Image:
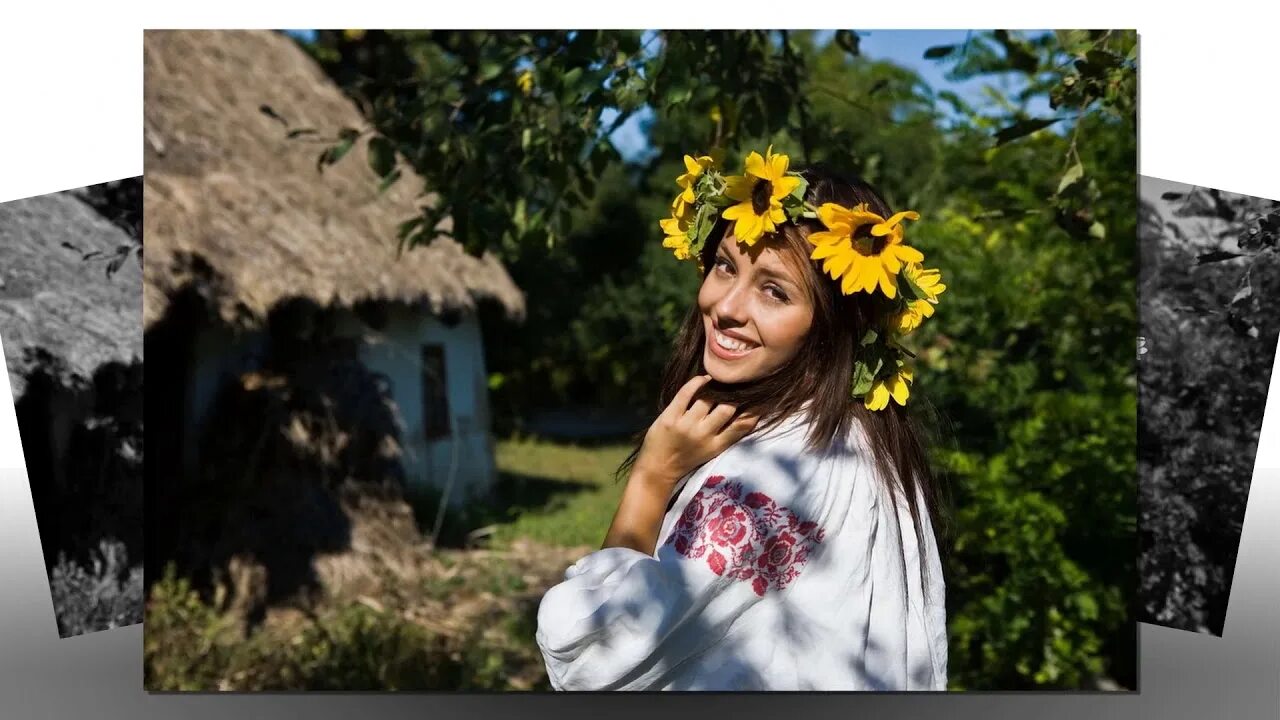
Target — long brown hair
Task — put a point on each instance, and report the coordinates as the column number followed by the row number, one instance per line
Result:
column 822, row 370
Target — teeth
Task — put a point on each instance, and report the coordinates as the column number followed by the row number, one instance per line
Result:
column 730, row 344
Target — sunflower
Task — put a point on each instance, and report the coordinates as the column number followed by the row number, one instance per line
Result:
column 694, row 167
column 928, row 282
column 864, row 262
column 759, row 194
column 894, row 386
column 677, row 229
column 910, row 317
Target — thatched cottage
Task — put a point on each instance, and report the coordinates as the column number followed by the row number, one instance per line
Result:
column 264, row 276
column 72, row 338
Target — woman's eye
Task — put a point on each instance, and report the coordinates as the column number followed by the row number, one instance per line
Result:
column 776, row 293
column 723, row 265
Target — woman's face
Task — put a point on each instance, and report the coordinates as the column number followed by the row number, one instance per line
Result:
column 755, row 312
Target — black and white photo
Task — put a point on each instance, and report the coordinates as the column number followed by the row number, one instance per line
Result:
column 70, row 321
column 1207, row 344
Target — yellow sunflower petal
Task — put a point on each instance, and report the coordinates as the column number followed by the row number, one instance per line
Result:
column 755, row 165
column 860, row 277
column 878, row 397
column 839, row 263
column 692, row 166
column 883, row 228
column 899, row 389
column 860, row 216
column 739, row 187
column 737, row 211
column 888, row 283
column 777, row 169
column 826, row 237
column 784, row 186
column 748, row 228
column 907, row 320
column 905, row 253
column 833, row 215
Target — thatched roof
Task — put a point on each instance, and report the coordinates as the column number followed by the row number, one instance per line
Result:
column 54, row 300
column 223, row 184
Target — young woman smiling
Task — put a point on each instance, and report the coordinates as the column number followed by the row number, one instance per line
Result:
column 775, row 532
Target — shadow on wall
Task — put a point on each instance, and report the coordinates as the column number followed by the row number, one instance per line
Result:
column 83, row 446
column 288, row 457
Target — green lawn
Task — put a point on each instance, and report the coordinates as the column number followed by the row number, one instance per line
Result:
column 550, row 492
column 554, row 493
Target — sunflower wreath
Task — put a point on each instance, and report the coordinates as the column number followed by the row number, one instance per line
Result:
column 768, row 195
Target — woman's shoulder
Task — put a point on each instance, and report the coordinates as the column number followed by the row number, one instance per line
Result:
column 783, row 460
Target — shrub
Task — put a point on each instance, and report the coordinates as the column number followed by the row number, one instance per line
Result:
column 106, row 595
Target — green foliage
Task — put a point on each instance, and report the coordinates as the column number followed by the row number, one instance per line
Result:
column 1029, row 215
column 189, row 645
column 185, row 641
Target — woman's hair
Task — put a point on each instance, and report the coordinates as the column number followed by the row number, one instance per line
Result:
column 822, row 369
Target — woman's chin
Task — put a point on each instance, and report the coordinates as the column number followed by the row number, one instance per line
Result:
column 726, row 371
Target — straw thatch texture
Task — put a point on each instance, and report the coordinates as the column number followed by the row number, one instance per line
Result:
column 54, row 300
column 237, row 209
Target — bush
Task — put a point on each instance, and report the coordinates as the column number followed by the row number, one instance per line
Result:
column 104, row 596
column 190, row 645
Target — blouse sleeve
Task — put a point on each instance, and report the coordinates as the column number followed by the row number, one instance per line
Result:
column 786, row 569
column 623, row 619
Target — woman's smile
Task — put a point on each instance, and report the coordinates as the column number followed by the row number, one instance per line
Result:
column 730, row 348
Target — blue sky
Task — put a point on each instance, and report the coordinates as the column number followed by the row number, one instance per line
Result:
column 903, row 47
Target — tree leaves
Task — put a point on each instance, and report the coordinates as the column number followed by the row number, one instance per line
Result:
column 1070, row 177
column 382, row 156
column 330, row 155
column 1022, row 128
column 938, row 52
column 849, row 41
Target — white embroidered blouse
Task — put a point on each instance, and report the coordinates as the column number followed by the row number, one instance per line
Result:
column 776, row 569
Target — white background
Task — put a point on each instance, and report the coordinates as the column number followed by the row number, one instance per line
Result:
column 71, row 115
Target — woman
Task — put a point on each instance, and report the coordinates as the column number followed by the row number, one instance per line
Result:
column 775, row 530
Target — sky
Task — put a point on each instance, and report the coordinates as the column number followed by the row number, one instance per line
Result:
column 902, row 47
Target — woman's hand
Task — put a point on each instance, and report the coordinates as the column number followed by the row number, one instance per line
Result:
column 683, row 437
column 687, row 434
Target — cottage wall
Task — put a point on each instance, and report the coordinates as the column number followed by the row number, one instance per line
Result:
column 395, row 351
column 218, row 356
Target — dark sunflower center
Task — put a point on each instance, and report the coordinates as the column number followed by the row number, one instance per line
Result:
column 760, row 195
column 866, row 243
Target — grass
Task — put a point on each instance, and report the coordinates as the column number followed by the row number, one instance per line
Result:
column 467, row 626
column 551, row 493
column 579, row 495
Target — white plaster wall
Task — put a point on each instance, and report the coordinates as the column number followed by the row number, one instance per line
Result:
column 396, row 352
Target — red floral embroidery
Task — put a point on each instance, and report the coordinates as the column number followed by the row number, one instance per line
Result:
column 746, row 537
